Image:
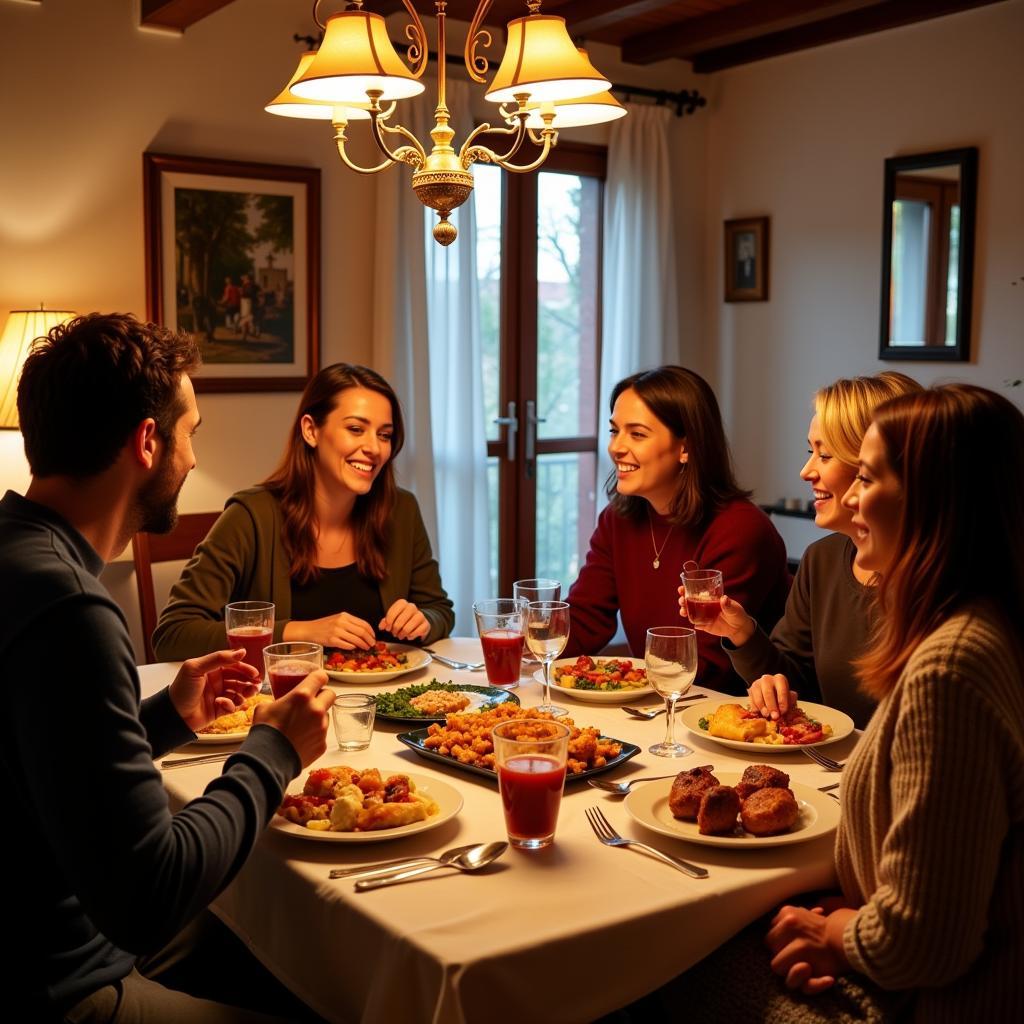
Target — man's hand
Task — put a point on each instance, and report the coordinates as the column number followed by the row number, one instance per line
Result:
column 808, row 947
column 301, row 714
column 214, row 685
column 404, row 621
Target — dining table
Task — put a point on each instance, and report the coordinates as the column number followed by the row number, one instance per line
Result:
column 554, row 936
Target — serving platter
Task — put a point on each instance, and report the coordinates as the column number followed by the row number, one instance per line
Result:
column 595, row 696
column 842, row 726
column 447, row 797
column 647, row 805
column 481, row 698
column 415, row 660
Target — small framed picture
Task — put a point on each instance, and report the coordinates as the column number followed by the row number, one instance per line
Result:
column 233, row 257
column 746, row 260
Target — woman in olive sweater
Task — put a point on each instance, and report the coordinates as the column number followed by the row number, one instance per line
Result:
column 329, row 538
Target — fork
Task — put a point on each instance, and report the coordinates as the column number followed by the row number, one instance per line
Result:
column 180, row 762
column 451, row 663
column 606, row 834
column 826, row 762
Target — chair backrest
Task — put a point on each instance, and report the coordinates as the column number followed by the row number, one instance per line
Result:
column 175, row 546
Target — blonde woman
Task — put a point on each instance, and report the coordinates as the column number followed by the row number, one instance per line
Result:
column 826, row 622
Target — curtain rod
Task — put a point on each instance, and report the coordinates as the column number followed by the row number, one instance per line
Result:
column 685, row 101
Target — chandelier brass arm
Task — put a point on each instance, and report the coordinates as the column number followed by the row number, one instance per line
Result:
column 476, row 63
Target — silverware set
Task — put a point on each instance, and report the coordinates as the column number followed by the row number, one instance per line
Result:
column 392, row 872
column 826, row 762
column 647, row 715
column 183, row 762
column 606, row 834
column 468, row 666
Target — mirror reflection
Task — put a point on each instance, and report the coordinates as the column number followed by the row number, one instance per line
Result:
column 929, row 219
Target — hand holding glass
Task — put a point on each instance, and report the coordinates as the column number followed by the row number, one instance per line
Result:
column 289, row 663
column 671, row 660
column 704, row 591
column 250, row 624
column 547, row 633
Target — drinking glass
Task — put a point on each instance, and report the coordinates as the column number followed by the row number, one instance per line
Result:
column 536, row 590
column 500, row 621
column 547, row 633
column 250, row 624
column 531, row 776
column 704, row 590
column 671, row 660
column 353, row 715
column 289, row 663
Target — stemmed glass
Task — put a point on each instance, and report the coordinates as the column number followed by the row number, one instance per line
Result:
column 547, row 632
column 536, row 590
column 671, row 660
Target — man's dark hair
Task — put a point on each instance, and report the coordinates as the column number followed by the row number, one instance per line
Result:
column 89, row 383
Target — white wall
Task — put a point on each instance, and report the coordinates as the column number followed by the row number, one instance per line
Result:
column 802, row 138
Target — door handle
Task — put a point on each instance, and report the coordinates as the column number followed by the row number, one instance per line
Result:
column 511, row 424
column 532, row 419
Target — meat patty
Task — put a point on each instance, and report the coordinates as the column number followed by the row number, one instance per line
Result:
column 760, row 776
column 718, row 809
column 769, row 811
column 687, row 789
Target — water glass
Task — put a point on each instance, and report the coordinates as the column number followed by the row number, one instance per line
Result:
column 250, row 624
column 289, row 663
column 531, row 761
column 704, row 589
column 547, row 633
column 670, row 657
column 536, row 590
column 500, row 623
column 353, row 715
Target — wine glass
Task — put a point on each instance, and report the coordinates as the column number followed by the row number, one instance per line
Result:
column 536, row 590
column 547, row 632
column 671, row 660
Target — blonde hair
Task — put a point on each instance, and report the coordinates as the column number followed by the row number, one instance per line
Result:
column 845, row 408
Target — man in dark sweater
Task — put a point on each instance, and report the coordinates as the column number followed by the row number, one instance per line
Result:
column 99, row 872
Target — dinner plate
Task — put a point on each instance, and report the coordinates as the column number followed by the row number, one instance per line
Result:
column 414, row 741
column 480, row 698
column 597, row 696
column 448, row 798
column 648, row 805
column 842, row 726
column 221, row 737
column 417, row 659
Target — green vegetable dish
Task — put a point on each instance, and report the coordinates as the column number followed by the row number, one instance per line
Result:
column 396, row 704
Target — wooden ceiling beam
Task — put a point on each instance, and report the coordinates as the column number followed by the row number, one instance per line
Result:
column 891, row 14
column 732, row 25
column 582, row 17
column 177, row 14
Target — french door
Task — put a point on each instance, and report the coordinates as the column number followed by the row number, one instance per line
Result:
column 539, row 246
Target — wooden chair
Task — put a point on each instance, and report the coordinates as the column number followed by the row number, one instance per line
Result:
column 175, row 546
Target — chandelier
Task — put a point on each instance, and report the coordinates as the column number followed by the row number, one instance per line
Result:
column 542, row 84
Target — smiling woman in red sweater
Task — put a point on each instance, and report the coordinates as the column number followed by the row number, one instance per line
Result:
column 672, row 498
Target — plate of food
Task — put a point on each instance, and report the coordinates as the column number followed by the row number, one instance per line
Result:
column 599, row 680
column 432, row 702
column 338, row 804
column 759, row 808
column 378, row 664
column 464, row 742
column 235, row 726
column 735, row 725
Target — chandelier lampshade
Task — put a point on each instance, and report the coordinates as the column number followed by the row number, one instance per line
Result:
column 541, row 60
column 22, row 328
column 287, row 104
column 597, row 109
column 356, row 55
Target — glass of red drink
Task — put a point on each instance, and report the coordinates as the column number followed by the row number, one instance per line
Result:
column 704, row 590
column 250, row 624
column 289, row 663
column 530, row 756
column 500, row 621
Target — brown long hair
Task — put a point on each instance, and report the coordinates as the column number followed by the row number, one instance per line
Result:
column 685, row 403
column 958, row 454
column 293, row 483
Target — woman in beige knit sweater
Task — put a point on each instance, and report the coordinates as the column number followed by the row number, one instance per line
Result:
column 930, row 852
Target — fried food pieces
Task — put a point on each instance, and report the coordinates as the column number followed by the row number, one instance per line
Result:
column 239, row 720
column 688, row 788
column 342, row 799
column 732, row 722
column 718, row 809
column 760, row 776
column 769, row 811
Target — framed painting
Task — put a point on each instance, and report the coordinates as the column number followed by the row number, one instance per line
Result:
column 233, row 257
column 746, row 260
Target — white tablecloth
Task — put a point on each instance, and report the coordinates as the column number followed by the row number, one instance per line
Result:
column 562, row 935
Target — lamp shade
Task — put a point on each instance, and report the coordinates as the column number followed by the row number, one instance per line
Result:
column 356, row 55
column 22, row 328
column 287, row 104
column 596, row 109
column 540, row 59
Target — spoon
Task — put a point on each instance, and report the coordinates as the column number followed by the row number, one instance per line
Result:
column 473, row 859
column 622, row 788
column 388, row 867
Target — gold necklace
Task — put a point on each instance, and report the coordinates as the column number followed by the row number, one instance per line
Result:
column 657, row 551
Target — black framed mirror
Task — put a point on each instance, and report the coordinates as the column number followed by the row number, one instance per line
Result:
column 928, row 255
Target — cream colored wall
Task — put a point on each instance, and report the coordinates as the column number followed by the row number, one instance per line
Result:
column 802, row 138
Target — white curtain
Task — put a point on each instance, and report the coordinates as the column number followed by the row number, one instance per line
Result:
column 457, row 400
column 640, row 321
column 427, row 343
